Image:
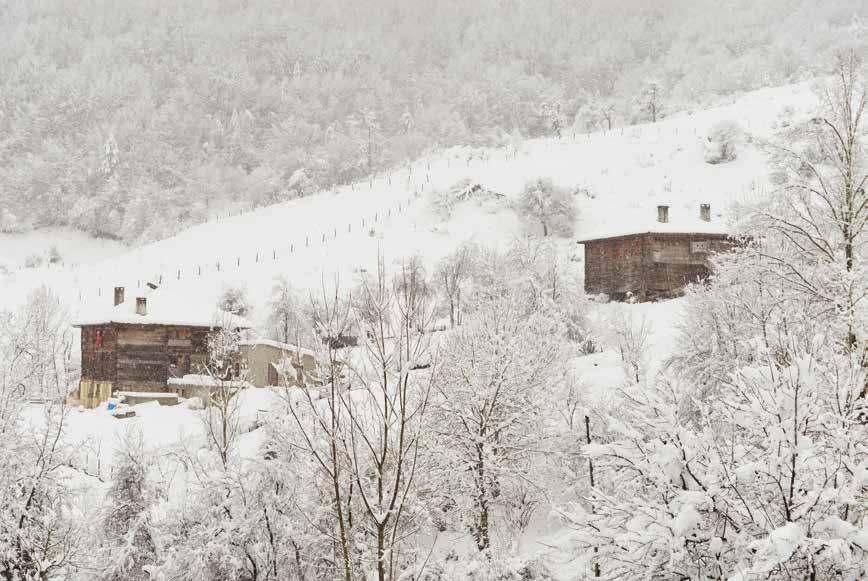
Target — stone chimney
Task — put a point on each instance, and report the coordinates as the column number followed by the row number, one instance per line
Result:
column 705, row 212
column 663, row 214
column 119, row 295
column 141, row 306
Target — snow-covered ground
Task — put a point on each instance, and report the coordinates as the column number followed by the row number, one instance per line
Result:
column 74, row 248
column 626, row 173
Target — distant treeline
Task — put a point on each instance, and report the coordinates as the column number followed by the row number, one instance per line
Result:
column 131, row 119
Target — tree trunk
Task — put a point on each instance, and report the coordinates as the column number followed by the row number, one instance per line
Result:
column 483, row 540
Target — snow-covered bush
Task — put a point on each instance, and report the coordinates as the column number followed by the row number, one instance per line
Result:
column 33, row 261
column 763, row 480
column 9, row 223
column 721, row 143
column 631, row 336
column 54, row 256
column 234, row 299
column 444, row 202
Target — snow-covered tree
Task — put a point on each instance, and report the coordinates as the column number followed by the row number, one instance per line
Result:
column 631, row 336
column 767, row 479
column 223, row 376
column 651, row 101
column 386, row 413
column 234, row 299
column 313, row 431
column 721, row 143
column 818, row 218
column 128, row 549
column 547, row 206
column 39, row 534
column 452, row 277
column 492, row 382
column 285, row 313
column 39, row 344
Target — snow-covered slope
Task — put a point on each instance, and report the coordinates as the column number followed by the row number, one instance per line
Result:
column 625, row 172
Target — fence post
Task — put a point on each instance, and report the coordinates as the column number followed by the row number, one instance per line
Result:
column 306, row 241
column 179, row 274
column 291, row 248
column 218, row 266
column 237, row 261
column 257, row 257
column 274, row 255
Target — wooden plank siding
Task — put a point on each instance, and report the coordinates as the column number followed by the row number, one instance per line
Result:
column 649, row 265
column 141, row 357
column 99, row 363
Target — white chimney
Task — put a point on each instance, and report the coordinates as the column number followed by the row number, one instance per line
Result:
column 141, row 306
column 663, row 214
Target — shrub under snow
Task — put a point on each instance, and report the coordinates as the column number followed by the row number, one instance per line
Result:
column 721, row 142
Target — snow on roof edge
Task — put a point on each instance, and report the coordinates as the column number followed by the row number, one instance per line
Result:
column 711, row 230
column 277, row 345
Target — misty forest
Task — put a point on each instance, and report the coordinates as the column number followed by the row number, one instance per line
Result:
column 482, row 290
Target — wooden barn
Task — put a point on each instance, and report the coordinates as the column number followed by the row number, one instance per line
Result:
column 656, row 260
column 138, row 344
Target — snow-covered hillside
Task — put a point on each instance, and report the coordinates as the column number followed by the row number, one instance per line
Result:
column 622, row 174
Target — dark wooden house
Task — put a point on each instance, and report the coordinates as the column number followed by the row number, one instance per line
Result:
column 657, row 261
column 139, row 344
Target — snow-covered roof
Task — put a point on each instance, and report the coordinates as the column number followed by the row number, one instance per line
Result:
column 204, row 381
column 162, row 308
column 678, row 226
column 277, row 345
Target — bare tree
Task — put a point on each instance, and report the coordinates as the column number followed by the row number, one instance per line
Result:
column 286, row 317
column 224, row 375
column 38, row 539
column 319, row 424
column 452, row 276
column 39, row 340
column 385, row 413
column 632, row 338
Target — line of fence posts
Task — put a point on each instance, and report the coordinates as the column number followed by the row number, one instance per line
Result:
column 218, row 264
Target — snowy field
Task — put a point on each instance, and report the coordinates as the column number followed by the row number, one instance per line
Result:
column 627, row 173
column 623, row 175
